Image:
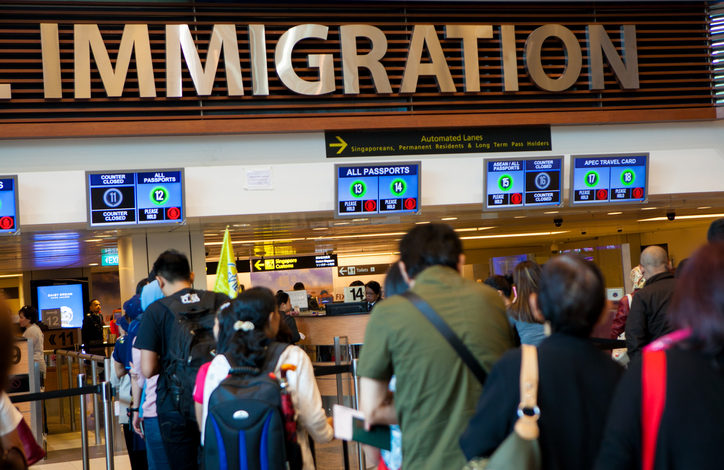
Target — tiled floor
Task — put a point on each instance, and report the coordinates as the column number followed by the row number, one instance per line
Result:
column 64, row 449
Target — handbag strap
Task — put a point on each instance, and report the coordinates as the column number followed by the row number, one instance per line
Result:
column 653, row 399
column 528, row 412
column 448, row 334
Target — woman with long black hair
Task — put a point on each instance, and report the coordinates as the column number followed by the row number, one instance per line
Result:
column 244, row 330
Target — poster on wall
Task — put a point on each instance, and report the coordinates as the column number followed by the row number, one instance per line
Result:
column 315, row 280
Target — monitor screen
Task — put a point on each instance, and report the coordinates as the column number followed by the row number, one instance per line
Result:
column 502, row 265
column 377, row 190
column 8, row 204
column 149, row 197
column 67, row 298
column 523, row 182
column 601, row 179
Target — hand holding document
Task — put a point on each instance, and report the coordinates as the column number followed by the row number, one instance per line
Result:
column 349, row 426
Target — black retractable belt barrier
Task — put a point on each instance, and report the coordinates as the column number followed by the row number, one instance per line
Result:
column 56, row 394
column 606, row 343
column 332, row 370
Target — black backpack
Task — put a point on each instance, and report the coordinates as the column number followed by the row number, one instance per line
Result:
column 244, row 426
column 190, row 346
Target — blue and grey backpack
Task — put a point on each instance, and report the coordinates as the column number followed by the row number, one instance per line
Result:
column 244, row 427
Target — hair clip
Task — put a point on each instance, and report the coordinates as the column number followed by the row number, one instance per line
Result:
column 243, row 325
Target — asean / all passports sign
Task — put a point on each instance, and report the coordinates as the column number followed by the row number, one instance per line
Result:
column 598, row 179
column 523, row 182
column 377, row 190
column 135, row 198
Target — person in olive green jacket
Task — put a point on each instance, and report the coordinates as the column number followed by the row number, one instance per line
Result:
column 436, row 393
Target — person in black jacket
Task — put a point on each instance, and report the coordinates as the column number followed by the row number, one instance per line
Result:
column 288, row 331
column 92, row 330
column 576, row 380
column 647, row 318
column 690, row 432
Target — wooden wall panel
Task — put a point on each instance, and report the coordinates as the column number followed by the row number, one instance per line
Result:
column 675, row 68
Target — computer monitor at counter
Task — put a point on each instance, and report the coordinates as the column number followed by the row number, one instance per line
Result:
column 345, row 308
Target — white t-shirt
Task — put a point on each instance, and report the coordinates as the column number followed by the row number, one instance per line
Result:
column 35, row 334
column 305, row 396
column 9, row 415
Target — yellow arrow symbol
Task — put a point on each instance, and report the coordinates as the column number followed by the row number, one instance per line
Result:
column 342, row 144
column 259, row 265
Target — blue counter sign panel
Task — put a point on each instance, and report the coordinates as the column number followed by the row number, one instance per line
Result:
column 136, row 198
column 369, row 190
column 600, row 179
column 8, row 204
column 523, row 183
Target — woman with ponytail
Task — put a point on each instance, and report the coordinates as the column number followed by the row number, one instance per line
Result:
column 244, row 330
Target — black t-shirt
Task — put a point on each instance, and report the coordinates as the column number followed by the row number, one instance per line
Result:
column 156, row 329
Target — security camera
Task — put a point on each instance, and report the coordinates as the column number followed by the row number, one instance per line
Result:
column 671, row 215
column 619, row 230
column 558, row 222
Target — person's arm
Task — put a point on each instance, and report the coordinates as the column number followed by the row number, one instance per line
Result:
column 9, row 419
column 120, row 369
column 636, row 326
column 149, row 363
column 495, row 414
column 373, row 397
column 292, row 324
column 305, row 395
column 135, row 415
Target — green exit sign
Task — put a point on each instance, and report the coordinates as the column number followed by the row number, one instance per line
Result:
column 109, row 256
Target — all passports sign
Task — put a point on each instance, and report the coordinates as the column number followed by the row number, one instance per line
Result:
column 437, row 141
column 135, row 197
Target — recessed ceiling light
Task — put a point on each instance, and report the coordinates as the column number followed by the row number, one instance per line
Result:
column 703, row 208
column 469, row 229
column 320, row 228
column 92, row 264
column 422, row 222
column 682, row 217
column 449, row 218
column 359, row 220
column 520, row 216
column 341, row 223
column 514, row 235
column 92, row 240
column 648, row 208
column 550, row 212
column 615, row 213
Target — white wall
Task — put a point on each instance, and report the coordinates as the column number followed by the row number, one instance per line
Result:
column 685, row 158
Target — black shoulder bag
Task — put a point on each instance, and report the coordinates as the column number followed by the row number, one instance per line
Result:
column 448, row 334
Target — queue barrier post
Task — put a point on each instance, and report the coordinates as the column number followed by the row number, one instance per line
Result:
column 59, row 380
column 83, row 426
column 71, row 402
column 96, row 403
column 361, row 464
column 107, row 421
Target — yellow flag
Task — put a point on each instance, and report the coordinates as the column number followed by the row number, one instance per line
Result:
column 226, row 280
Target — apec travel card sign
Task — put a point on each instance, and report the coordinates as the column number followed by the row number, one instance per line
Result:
column 149, row 197
column 601, row 179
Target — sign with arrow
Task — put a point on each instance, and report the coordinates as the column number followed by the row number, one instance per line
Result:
column 363, row 270
column 293, row 262
column 437, row 141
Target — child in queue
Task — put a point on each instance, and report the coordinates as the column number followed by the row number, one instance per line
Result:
column 244, row 329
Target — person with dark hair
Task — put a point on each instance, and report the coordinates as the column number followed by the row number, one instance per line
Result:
column 502, row 286
column 716, row 231
column 299, row 286
column 436, row 391
column 526, row 277
column 690, row 385
column 28, row 319
column 288, row 331
column 394, row 282
column 311, row 301
column 373, row 293
column 356, row 283
column 576, row 379
column 647, row 317
column 92, row 329
column 245, row 329
column 175, row 338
